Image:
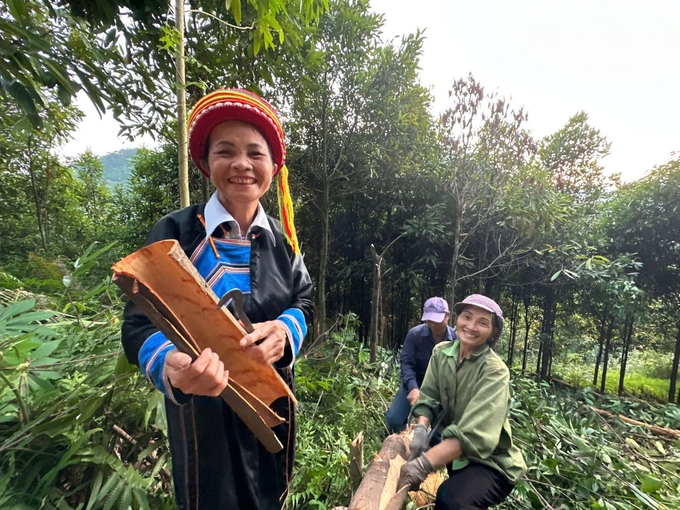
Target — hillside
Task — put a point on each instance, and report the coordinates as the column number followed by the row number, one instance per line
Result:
column 117, row 166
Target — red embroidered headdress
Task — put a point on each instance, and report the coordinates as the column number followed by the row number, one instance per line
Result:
column 237, row 104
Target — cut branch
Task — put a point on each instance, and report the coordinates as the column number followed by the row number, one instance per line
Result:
column 659, row 431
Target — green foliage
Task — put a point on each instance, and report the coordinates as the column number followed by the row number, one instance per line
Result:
column 578, row 460
column 63, row 387
column 340, row 394
column 46, row 48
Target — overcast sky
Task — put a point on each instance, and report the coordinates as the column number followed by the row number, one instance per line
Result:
column 617, row 60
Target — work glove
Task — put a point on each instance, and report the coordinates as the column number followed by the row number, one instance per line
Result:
column 420, row 442
column 414, row 472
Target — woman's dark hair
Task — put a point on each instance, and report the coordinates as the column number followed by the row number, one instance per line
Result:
column 493, row 339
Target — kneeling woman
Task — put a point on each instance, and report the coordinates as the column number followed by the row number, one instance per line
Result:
column 468, row 386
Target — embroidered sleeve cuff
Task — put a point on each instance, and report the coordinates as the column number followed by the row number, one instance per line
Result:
column 296, row 328
column 152, row 362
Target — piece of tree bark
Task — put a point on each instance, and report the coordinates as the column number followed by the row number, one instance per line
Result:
column 180, row 294
column 356, row 461
column 659, row 431
column 258, row 417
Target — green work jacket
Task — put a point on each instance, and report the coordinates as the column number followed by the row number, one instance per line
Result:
column 474, row 397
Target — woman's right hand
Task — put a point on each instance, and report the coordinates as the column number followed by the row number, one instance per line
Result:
column 205, row 376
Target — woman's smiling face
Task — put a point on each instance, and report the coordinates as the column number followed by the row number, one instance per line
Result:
column 474, row 326
column 240, row 164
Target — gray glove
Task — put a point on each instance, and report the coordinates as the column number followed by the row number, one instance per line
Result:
column 420, row 442
column 414, row 472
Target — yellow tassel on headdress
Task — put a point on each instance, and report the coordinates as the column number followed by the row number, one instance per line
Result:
column 286, row 210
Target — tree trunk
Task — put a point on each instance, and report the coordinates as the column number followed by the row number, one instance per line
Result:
column 627, row 336
column 659, row 431
column 605, row 361
column 514, row 315
column 39, row 217
column 182, row 143
column 325, row 227
column 454, row 263
column 527, row 324
column 379, row 484
column 549, row 312
column 674, row 371
column 603, row 335
column 482, row 261
column 375, row 307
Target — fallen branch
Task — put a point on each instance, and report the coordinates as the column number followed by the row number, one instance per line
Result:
column 659, row 431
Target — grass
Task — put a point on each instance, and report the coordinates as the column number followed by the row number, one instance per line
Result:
column 635, row 384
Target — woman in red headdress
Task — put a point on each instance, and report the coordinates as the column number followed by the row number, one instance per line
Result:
column 235, row 139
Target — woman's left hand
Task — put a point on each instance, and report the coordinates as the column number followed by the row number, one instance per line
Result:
column 267, row 343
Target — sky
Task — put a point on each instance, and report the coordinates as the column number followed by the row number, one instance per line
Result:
column 617, row 60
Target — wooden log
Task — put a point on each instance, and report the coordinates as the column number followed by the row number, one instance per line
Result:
column 391, row 489
column 180, row 294
column 659, row 431
column 377, row 489
column 257, row 417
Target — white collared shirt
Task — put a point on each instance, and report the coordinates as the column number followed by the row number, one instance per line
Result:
column 216, row 214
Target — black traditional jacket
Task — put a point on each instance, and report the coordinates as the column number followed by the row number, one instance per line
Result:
column 217, row 462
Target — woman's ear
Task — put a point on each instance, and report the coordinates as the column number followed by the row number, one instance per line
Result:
column 204, row 166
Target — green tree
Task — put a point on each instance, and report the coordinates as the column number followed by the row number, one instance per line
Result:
column 31, row 170
column 329, row 107
column 110, row 49
column 645, row 220
column 573, row 155
column 483, row 144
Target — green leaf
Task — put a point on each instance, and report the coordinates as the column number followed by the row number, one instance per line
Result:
column 16, row 308
column 18, row 10
column 25, row 101
column 236, row 10
column 650, row 484
column 94, row 493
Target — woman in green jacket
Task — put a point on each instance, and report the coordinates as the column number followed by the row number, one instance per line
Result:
column 467, row 385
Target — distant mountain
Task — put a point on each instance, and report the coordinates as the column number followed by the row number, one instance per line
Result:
column 117, row 167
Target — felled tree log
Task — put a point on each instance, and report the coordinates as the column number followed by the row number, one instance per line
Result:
column 659, row 431
column 379, row 488
column 379, row 485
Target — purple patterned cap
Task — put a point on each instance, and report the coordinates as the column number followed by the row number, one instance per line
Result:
column 435, row 309
column 485, row 303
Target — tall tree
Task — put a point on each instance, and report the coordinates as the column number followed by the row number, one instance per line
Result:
column 28, row 159
column 484, row 143
column 645, row 220
column 329, row 106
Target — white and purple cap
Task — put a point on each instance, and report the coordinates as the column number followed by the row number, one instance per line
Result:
column 484, row 303
column 435, row 309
